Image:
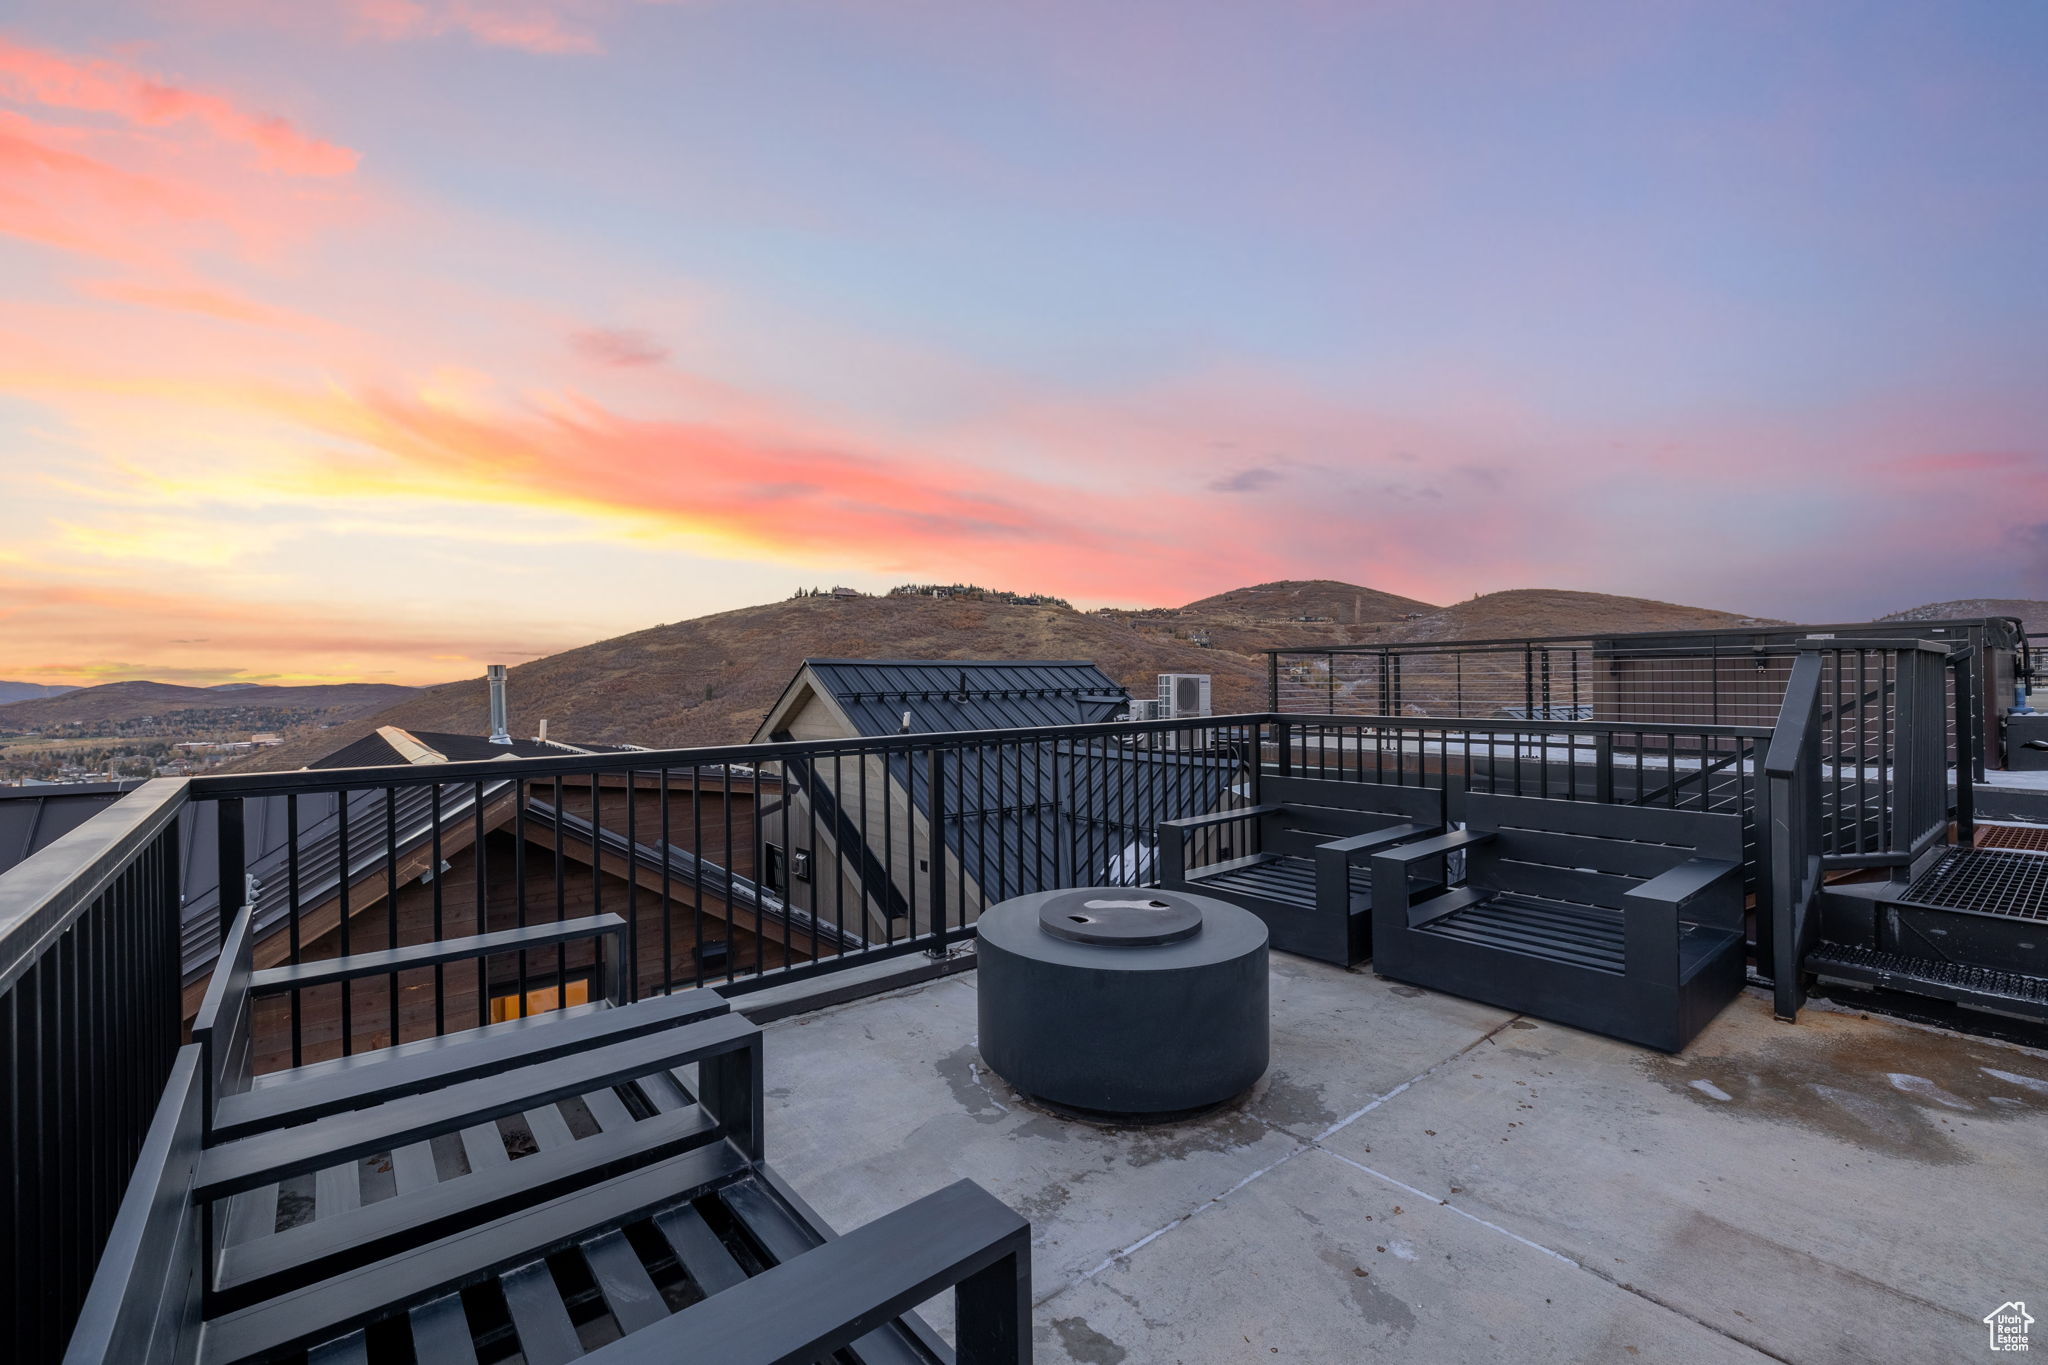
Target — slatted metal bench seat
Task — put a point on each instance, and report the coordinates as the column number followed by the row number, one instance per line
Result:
column 241, row 1104
column 1298, row 860
column 1623, row 920
column 690, row 1249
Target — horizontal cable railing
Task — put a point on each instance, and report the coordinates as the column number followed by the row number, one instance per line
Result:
column 1883, row 719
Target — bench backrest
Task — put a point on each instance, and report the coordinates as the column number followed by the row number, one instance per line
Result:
column 1585, row 851
column 1317, row 811
column 143, row 1306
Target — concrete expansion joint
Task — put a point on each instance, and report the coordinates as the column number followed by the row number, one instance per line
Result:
column 1316, row 1144
column 1656, row 1302
column 1313, row 1144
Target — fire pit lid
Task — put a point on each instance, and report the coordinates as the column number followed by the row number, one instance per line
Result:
column 1121, row 919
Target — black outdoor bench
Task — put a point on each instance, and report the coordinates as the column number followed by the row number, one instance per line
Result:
column 1297, row 860
column 1625, row 920
column 690, row 1249
column 240, row 1104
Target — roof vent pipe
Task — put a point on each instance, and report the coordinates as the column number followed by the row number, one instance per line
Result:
column 500, row 734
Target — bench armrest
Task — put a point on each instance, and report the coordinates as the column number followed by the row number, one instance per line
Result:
column 1677, row 886
column 1433, row 848
column 1220, row 817
column 1347, row 849
column 1173, row 839
column 1393, row 889
column 1650, row 929
column 808, row 1307
column 384, row 961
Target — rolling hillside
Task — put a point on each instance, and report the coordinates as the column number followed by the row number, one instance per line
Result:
column 1554, row 611
column 710, row 680
column 1342, row 603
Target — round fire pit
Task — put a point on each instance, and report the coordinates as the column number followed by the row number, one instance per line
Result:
column 1136, row 1005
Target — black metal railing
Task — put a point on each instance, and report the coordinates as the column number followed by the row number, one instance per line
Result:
column 1890, row 708
column 1793, row 811
column 1714, row 677
column 738, row 867
column 88, row 1030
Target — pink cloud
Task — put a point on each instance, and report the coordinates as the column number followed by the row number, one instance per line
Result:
column 93, row 85
column 624, row 347
column 541, row 27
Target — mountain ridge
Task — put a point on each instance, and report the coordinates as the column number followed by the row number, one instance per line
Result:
column 709, row 680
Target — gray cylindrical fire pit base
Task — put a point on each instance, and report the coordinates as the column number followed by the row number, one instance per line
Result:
column 1126, row 1004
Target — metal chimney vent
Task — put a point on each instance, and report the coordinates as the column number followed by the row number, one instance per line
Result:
column 500, row 730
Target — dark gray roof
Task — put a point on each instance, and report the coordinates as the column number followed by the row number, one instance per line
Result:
column 34, row 816
column 1009, row 810
column 967, row 694
column 374, row 751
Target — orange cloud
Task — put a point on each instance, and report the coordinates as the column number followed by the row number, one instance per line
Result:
column 69, row 628
column 783, row 493
column 93, row 85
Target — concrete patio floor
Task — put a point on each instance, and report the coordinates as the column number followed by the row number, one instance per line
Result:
column 1425, row 1179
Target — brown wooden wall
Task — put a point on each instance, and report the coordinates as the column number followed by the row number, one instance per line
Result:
column 715, row 822
column 682, row 917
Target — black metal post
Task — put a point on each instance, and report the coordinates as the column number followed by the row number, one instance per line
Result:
column 234, row 863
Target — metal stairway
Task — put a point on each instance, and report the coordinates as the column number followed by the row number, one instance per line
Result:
column 1971, row 928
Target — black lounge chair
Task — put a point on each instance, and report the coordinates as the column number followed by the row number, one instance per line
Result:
column 1298, row 859
column 1625, row 920
column 241, row 1104
column 643, row 1226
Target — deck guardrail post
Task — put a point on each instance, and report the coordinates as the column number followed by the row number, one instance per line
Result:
column 1969, row 745
column 935, row 781
column 1792, row 775
column 231, row 840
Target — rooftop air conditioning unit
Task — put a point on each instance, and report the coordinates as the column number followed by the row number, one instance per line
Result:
column 1145, row 708
column 1184, row 695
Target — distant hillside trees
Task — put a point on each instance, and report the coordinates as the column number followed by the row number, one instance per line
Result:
column 976, row 593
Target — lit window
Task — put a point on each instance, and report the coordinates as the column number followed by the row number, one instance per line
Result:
column 540, row 997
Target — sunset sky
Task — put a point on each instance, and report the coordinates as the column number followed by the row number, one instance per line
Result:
column 375, row 339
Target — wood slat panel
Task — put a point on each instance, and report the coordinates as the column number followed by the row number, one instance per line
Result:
column 784, row 1239
column 550, row 1129
column 1488, row 869
column 337, row 1189
column 252, row 1215
column 627, row 1288
column 703, row 1257
column 413, row 1167
column 440, row 1333
column 608, row 1109
column 484, row 1147
column 546, row 1336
